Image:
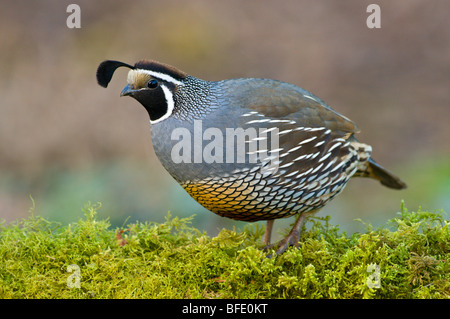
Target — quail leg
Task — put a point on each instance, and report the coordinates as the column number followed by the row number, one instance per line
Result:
column 291, row 239
column 268, row 233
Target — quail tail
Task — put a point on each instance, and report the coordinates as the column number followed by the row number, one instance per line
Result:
column 387, row 178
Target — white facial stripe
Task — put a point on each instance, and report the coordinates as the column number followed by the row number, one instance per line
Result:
column 161, row 76
column 170, row 105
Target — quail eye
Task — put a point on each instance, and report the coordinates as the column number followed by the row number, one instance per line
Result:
column 152, row 84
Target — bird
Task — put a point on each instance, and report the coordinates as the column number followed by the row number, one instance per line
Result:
column 250, row 149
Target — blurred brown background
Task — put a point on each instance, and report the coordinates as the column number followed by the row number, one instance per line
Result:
column 65, row 141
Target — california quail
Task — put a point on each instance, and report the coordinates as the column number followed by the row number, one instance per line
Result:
column 249, row 149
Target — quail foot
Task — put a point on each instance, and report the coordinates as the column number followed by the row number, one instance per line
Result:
column 249, row 149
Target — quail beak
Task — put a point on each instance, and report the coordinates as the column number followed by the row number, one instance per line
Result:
column 127, row 91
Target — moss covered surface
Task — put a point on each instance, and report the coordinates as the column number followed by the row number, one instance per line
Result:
column 409, row 258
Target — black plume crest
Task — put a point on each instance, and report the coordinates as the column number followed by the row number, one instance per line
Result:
column 106, row 70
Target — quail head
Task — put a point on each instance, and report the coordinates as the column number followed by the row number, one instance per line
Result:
column 249, row 149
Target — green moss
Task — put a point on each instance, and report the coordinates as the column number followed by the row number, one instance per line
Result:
column 409, row 258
